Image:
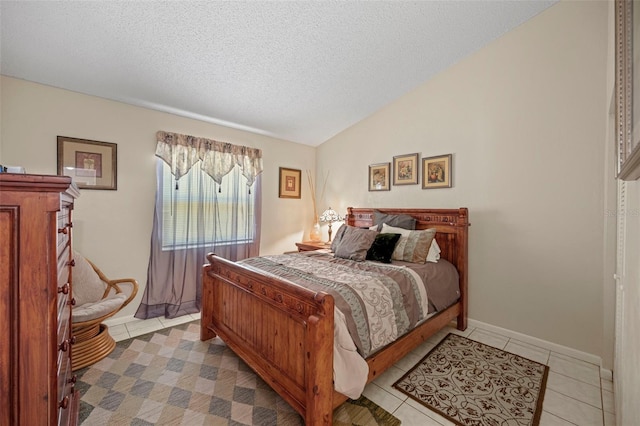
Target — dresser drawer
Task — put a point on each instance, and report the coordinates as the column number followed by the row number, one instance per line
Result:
column 66, row 390
column 64, row 229
column 63, row 274
column 64, row 332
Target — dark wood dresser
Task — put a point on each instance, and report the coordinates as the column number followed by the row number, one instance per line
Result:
column 37, row 386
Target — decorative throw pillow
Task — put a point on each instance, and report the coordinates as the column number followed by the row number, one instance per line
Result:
column 413, row 246
column 382, row 247
column 434, row 252
column 354, row 243
column 87, row 285
column 398, row 220
column 338, row 237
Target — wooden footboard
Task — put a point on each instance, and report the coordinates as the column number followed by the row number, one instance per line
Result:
column 285, row 332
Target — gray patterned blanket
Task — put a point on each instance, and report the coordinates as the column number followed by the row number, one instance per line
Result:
column 379, row 301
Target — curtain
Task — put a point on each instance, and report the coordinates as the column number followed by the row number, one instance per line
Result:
column 208, row 199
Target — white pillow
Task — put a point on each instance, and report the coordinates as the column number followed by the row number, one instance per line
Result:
column 434, row 252
column 434, row 249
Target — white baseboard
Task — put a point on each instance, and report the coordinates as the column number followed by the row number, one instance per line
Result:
column 564, row 350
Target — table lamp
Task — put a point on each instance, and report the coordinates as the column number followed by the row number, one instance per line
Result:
column 329, row 216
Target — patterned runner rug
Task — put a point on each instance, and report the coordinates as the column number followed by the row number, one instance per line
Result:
column 471, row 383
column 170, row 377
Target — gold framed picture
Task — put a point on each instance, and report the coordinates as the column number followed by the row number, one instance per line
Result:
column 289, row 186
column 405, row 169
column 436, row 172
column 379, row 177
column 91, row 164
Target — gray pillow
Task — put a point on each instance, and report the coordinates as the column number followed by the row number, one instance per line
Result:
column 403, row 221
column 355, row 243
column 338, row 237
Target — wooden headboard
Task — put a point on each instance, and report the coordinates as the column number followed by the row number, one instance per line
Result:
column 452, row 229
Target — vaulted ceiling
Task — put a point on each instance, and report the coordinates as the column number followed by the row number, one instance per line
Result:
column 296, row 70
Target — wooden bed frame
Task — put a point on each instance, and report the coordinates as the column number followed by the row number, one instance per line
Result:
column 285, row 332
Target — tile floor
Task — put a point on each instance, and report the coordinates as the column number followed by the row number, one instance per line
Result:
column 575, row 395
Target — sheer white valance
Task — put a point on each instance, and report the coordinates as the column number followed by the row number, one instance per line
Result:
column 181, row 152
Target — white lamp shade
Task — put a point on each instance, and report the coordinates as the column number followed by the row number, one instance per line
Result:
column 330, row 215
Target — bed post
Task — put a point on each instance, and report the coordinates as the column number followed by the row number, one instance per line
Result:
column 462, row 230
column 207, row 297
column 319, row 360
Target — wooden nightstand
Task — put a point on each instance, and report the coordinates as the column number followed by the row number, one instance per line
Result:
column 311, row 245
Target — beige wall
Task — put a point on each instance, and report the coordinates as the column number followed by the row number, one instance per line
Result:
column 113, row 228
column 525, row 119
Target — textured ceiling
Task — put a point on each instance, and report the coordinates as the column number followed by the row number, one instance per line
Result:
column 300, row 71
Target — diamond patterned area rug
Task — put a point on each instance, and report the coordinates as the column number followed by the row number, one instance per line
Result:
column 471, row 383
column 170, row 377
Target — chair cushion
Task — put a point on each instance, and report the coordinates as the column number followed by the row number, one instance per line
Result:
column 87, row 285
column 91, row 310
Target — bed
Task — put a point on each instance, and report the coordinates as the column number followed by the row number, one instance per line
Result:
column 285, row 332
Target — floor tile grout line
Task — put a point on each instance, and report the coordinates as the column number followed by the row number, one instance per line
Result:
column 575, row 399
column 575, row 378
column 560, row 417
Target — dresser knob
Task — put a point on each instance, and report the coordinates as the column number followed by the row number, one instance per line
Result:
column 72, row 302
column 64, row 346
column 63, row 230
column 72, row 340
column 72, row 379
column 64, row 289
column 72, row 262
column 64, row 403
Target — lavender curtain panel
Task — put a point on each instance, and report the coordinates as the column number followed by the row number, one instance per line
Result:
column 208, row 199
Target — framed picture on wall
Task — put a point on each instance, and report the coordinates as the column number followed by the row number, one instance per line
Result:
column 290, row 183
column 379, row 177
column 436, row 172
column 91, row 164
column 405, row 169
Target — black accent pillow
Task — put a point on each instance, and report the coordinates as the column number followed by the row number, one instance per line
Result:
column 382, row 247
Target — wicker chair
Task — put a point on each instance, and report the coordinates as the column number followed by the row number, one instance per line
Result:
column 97, row 298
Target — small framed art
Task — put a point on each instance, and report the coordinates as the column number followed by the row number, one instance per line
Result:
column 436, row 172
column 290, row 183
column 405, row 169
column 91, row 164
column 379, row 177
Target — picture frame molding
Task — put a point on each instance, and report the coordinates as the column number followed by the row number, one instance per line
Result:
column 415, row 169
column 285, row 175
column 103, row 156
column 448, row 172
column 387, row 168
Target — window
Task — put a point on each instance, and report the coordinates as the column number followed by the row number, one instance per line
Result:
column 197, row 212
